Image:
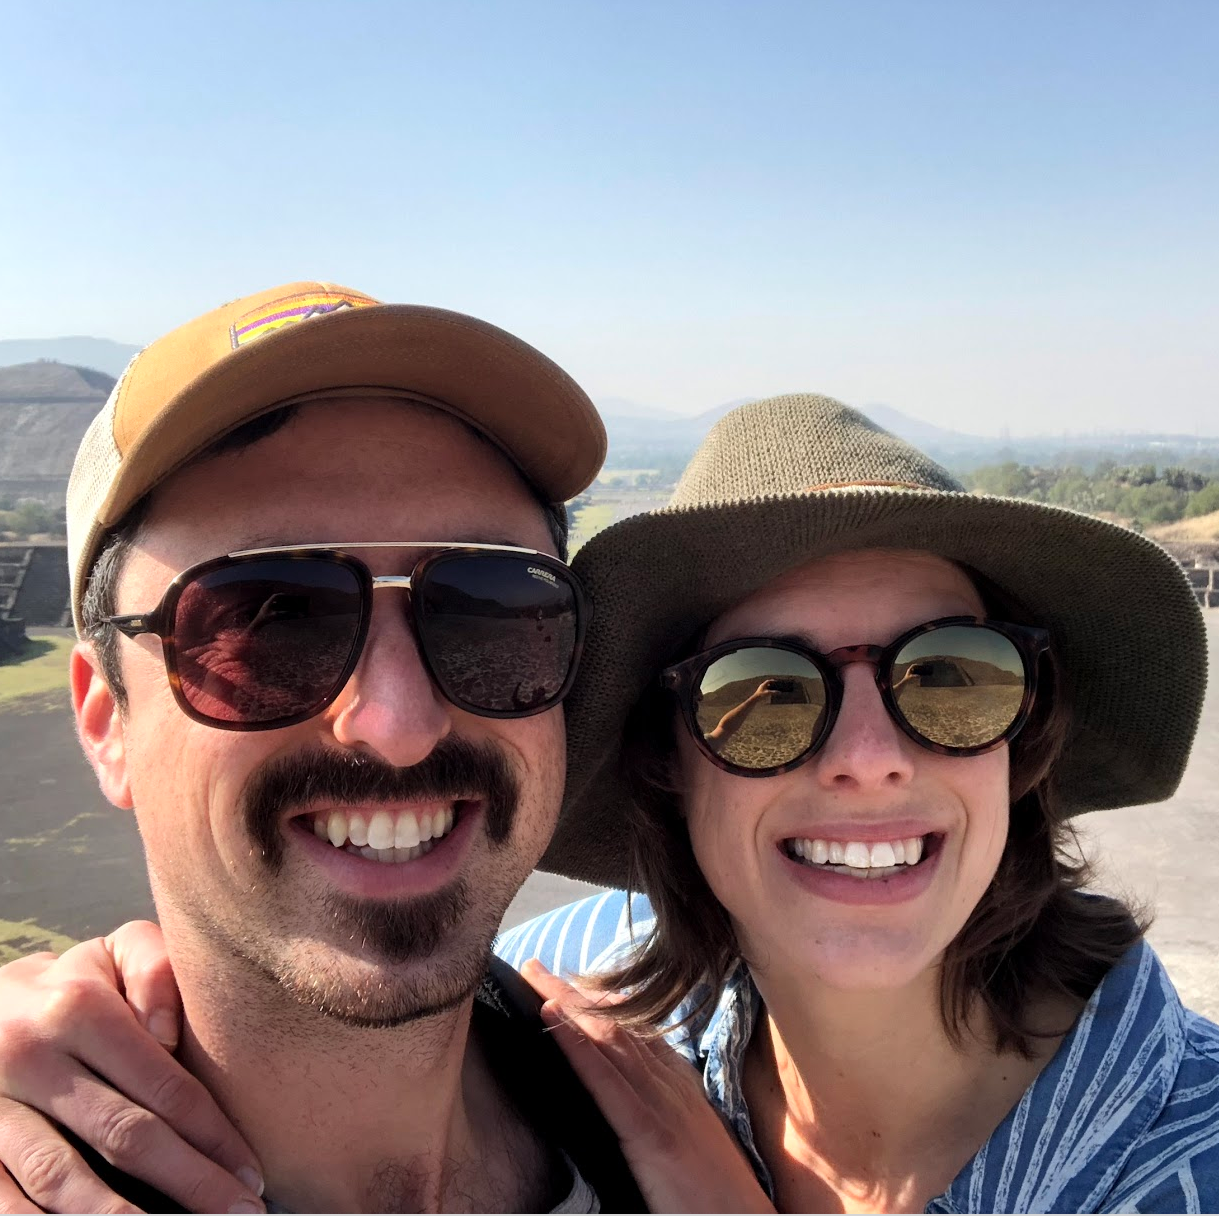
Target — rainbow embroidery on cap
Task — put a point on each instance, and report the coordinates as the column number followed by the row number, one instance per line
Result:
column 289, row 309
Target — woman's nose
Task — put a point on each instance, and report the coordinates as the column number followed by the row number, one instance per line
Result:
column 865, row 749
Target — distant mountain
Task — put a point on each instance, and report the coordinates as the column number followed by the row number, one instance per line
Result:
column 666, row 441
column 79, row 350
column 925, row 435
column 645, row 437
column 44, row 411
column 624, row 408
column 658, row 439
column 49, row 381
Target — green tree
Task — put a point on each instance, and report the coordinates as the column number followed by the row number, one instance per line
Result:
column 1140, row 476
column 1153, row 504
column 1181, row 479
column 1009, row 478
column 1203, row 501
column 30, row 517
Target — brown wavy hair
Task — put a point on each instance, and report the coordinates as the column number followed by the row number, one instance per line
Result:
column 1034, row 933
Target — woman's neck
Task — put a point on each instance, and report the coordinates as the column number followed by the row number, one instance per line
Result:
column 862, row 1102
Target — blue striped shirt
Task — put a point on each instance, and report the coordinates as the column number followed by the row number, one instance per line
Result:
column 1123, row 1119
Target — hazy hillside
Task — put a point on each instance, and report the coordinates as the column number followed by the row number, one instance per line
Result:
column 79, row 350
column 642, row 437
column 44, row 410
column 46, row 406
column 925, row 435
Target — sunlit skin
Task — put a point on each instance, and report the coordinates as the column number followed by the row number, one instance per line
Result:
column 367, row 471
column 869, row 782
column 859, row 1100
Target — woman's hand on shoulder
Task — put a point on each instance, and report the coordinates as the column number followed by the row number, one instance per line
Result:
column 682, row 1154
column 86, row 1041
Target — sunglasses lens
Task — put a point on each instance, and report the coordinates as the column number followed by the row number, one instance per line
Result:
column 761, row 707
column 959, row 686
column 263, row 641
column 500, row 631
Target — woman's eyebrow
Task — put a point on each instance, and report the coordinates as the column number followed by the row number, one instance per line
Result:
column 800, row 641
column 779, row 639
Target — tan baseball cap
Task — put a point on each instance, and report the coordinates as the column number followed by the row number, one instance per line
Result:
column 200, row 381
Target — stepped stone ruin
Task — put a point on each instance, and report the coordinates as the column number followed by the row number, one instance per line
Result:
column 34, row 583
column 44, row 411
column 1202, row 571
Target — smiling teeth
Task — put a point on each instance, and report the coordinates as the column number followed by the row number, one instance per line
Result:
column 384, row 836
column 859, row 858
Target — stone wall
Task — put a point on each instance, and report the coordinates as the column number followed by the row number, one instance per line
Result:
column 34, row 583
column 12, row 638
column 1201, row 564
column 50, row 491
column 1206, row 583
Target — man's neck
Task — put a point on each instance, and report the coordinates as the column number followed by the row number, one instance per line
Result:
column 342, row 1118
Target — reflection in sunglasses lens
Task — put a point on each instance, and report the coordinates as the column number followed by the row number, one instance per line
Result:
column 959, row 686
column 261, row 641
column 760, row 707
column 499, row 630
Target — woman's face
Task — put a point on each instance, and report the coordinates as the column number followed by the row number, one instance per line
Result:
column 868, row 785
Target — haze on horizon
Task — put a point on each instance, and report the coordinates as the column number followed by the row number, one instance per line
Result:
column 987, row 217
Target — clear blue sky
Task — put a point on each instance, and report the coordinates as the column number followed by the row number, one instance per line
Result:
column 982, row 213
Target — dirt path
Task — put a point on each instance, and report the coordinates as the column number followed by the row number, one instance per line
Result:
column 70, row 863
column 1168, row 855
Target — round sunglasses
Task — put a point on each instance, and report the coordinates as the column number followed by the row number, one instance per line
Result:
column 762, row 706
column 266, row 638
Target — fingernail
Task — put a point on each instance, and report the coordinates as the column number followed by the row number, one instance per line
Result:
column 251, row 1179
column 164, row 1027
column 247, row 1206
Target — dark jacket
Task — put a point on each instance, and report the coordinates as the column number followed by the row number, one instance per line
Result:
column 533, row 1072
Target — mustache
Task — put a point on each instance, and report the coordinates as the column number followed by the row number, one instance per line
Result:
column 455, row 769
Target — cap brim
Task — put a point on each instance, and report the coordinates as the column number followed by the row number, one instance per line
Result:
column 1122, row 619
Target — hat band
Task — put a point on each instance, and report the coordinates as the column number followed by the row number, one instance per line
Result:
column 865, row 483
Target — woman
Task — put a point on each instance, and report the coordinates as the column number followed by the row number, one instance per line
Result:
column 864, row 906
column 832, row 722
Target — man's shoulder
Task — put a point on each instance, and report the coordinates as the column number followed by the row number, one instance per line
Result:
column 584, row 937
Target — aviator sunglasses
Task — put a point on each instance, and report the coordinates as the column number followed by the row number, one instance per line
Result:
column 763, row 706
column 266, row 638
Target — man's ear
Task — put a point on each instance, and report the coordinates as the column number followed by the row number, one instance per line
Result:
column 99, row 725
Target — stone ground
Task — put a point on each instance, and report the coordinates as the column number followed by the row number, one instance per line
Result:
column 70, row 866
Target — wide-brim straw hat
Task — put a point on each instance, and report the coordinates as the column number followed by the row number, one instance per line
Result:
column 788, row 479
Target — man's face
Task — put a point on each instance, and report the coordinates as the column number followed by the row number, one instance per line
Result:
column 238, row 826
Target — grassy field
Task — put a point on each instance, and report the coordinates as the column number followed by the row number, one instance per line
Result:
column 20, row 939
column 1191, row 529
column 42, row 669
column 611, row 478
column 589, row 521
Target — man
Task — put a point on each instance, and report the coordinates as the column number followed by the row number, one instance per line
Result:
column 325, row 632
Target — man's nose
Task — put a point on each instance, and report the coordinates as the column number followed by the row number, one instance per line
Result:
column 390, row 705
column 866, row 750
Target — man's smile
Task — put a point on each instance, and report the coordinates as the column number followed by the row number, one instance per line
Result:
column 443, row 833
column 386, row 835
